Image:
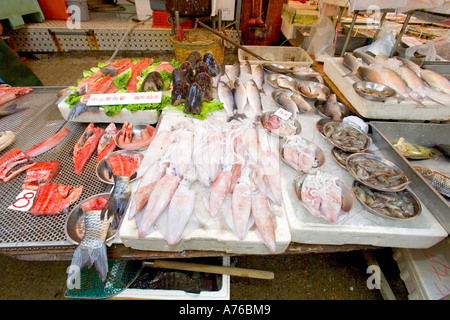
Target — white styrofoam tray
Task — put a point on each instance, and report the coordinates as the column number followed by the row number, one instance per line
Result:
column 157, row 294
column 390, row 109
column 425, row 271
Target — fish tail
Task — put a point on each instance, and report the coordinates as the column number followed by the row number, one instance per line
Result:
column 79, row 108
column 431, row 99
column 87, row 256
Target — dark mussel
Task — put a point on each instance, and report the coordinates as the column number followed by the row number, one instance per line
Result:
column 153, row 82
column 179, row 92
column 178, row 75
column 201, row 67
column 186, row 66
column 194, row 99
column 194, row 57
column 214, row 68
column 203, row 79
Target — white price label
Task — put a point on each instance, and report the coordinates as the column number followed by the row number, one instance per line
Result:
column 24, row 200
column 283, row 114
column 124, row 98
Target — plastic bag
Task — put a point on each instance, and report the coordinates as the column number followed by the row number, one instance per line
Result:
column 322, row 37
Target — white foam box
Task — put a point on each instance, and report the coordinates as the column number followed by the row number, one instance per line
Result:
column 157, row 294
column 214, row 235
column 389, row 109
column 425, row 272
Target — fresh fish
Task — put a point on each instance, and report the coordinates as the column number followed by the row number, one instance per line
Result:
column 240, row 98
column 201, row 67
column 436, row 80
column 263, row 219
column 127, row 140
column 194, row 99
column 437, row 179
column 54, row 198
column 351, row 63
column 113, row 68
column 6, row 139
column 85, row 83
column 241, row 202
column 382, row 58
column 203, row 79
column 445, row 148
column 366, row 58
column 39, row 174
column 188, row 70
column 414, row 82
column 249, row 139
column 179, row 93
column 226, row 97
column 12, row 163
column 305, row 72
column 246, row 67
column 216, row 79
column 136, row 71
column 258, row 75
column 94, row 204
column 194, row 57
column 153, row 82
column 145, row 187
column 254, row 97
column 106, row 143
column 48, row 143
column 386, row 77
column 11, row 109
column 234, row 71
column 411, row 65
column 332, row 108
column 158, row 201
column 85, row 147
column 301, row 103
column 211, row 62
column 123, row 165
column 414, row 151
column 156, row 150
column 314, row 92
column 287, row 103
column 286, row 84
column 180, row 209
column 166, row 66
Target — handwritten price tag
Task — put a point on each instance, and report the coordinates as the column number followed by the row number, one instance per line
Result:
column 283, row 114
column 24, row 200
column 124, row 98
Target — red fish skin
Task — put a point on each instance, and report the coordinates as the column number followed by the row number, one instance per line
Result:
column 10, row 166
column 83, row 84
column 48, row 143
column 54, row 198
column 8, row 93
column 85, row 146
column 102, row 149
column 136, row 72
column 94, row 204
column 40, row 173
column 122, row 165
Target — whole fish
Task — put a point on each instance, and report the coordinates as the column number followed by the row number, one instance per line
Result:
column 240, row 98
column 305, row 72
column 414, row 82
column 11, row 109
column 436, row 80
column 414, row 151
column 445, row 148
column 386, row 77
column 234, row 71
column 287, row 103
column 216, row 79
column 254, row 97
column 437, row 179
column 332, row 108
column 286, row 84
column 211, row 62
column 314, row 92
column 351, row 63
column 194, row 99
column 258, row 75
column 246, row 67
column 301, row 103
column 366, row 58
column 411, row 65
column 226, row 97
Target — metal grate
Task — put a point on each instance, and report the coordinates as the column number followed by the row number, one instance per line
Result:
column 21, row 229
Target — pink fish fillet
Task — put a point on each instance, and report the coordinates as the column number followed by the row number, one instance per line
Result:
column 220, row 188
column 48, row 143
column 159, row 199
column 263, row 219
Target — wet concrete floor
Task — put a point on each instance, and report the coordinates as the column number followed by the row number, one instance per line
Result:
column 311, row 276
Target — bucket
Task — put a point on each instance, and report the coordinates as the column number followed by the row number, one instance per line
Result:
column 198, row 40
column 82, row 5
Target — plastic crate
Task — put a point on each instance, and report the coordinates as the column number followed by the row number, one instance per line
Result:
column 161, row 20
column 426, row 272
column 287, row 56
column 54, row 9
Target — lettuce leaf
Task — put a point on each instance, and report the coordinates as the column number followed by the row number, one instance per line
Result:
column 207, row 108
column 122, row 79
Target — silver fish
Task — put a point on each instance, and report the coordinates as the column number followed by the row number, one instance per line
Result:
column 246, row 67
column 366, row 58
column 332, row 108
column 254, row 97
column 226, row 97
column 414, row 82
column 351, row 63
column 386, row 77
column 301, row 103
column 305, row 72
column 286, row 84
column 285, row 100
column 240, row 97
column 437, row 179
column 436, row 80
column 234, row 71
column 411, row 65
column 216, row 79
column 258, row 73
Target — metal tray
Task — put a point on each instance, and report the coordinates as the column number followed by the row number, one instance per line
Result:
column 267, row 115
column 345, row 148
column 318, row 153
column 103, row 172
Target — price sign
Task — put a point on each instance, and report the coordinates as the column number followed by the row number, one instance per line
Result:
column 24, row 200
column 283, row 114
column 124, row 98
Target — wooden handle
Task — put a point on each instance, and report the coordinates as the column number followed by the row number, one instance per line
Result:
column 240, row 272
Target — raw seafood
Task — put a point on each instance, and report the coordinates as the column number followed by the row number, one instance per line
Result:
column 444, row 148
column 437, row 179
column 136, row 71
column 39, row 174
column 126, row 138
column 414, row 151
column 280, row 126
column 313, row 92
column 258, row 75
column 322, row 196
column 85, row 147
column 286, row 84
column 11, row 109
column 194, row 57
column 48, row 143
column 347, row 138
column 332, row 109
column 351, row 63
column 254, row 97
column 203, row 79
column 13, row 163
column 8, row 93
column 366, row 58
column 94, row 204
column 194, row 99
column 123, row 165
column 398, row 205
column 299, row 154
column 263, row 219
column 179, row 92
column 436, row 80
column 301, row 103
column 6, row 139
column 210, row 61
column 153, row 82
column 241, row 204
column 54, row 198
column 106, row 144
column 386, row 77
column 226, row 97
column 240, row 98
column 287, row 103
